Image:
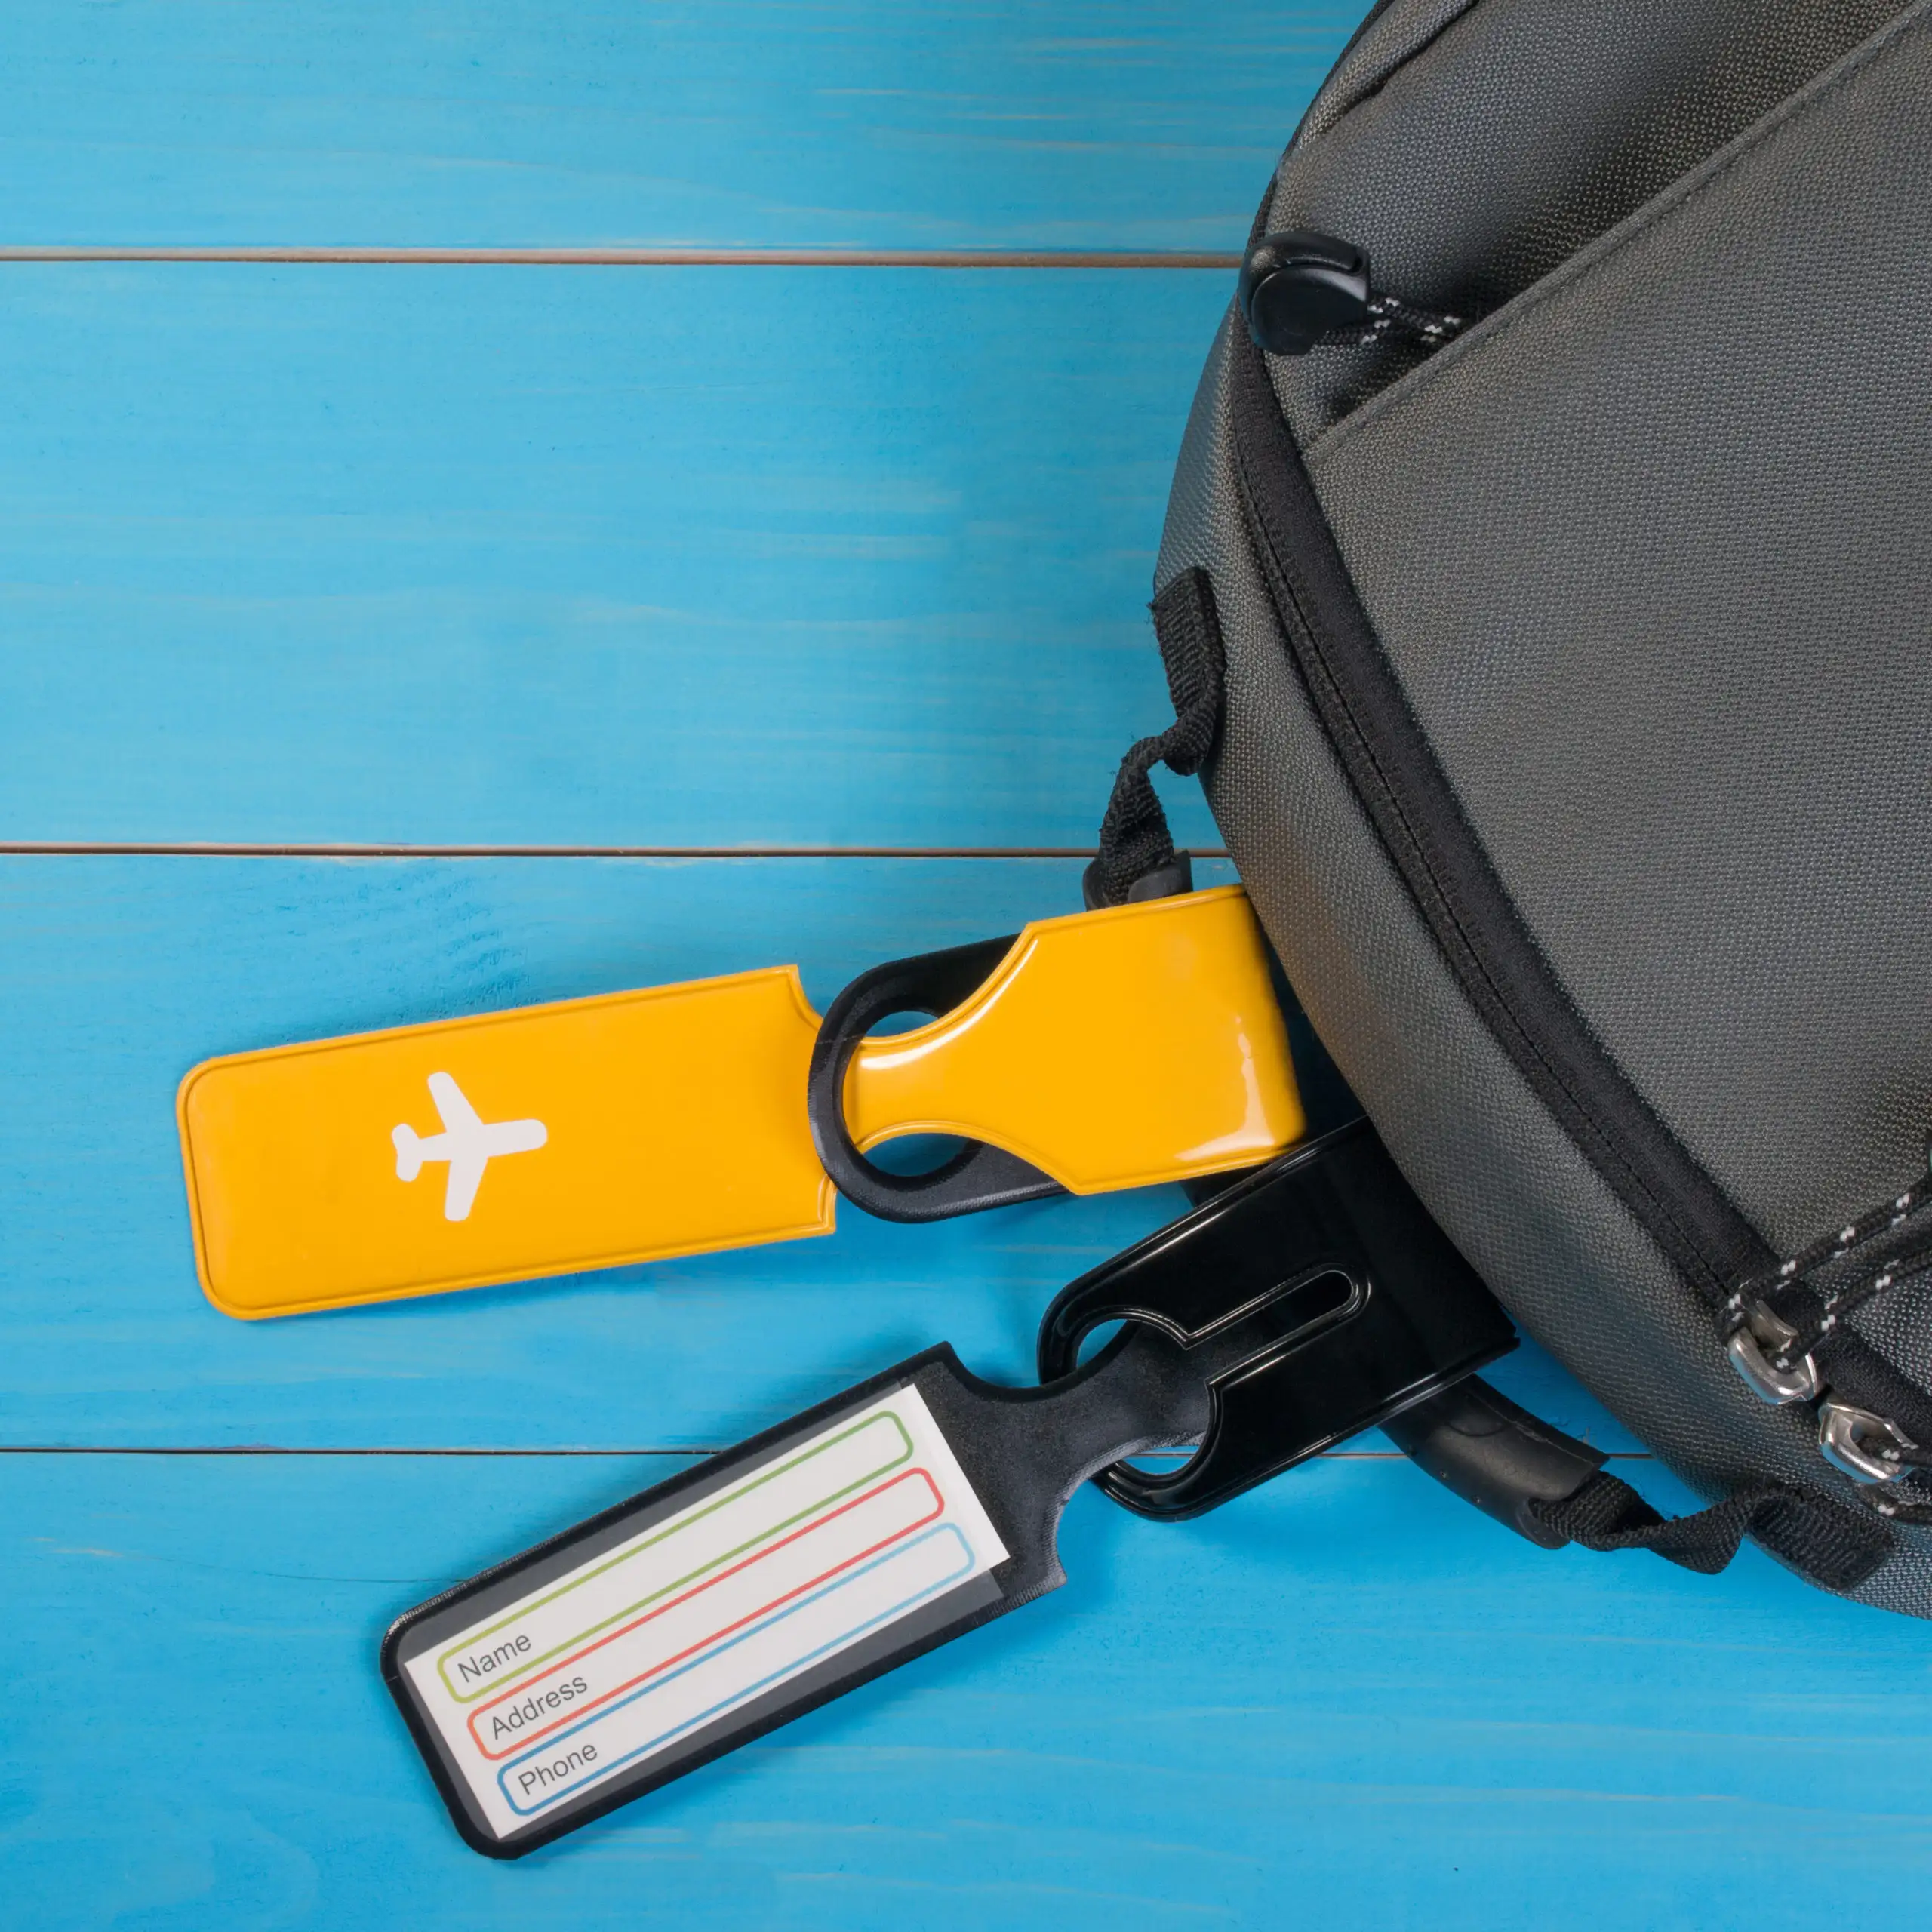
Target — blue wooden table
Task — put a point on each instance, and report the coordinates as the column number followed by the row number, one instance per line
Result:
column 384, row 640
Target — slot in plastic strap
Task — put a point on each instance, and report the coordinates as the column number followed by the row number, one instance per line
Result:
column 1109, row 1049
column 1112, row 1049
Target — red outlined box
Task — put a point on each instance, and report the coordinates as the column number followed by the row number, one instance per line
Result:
column 914, row 1513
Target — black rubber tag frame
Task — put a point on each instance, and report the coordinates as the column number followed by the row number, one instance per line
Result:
column 1310, row 1301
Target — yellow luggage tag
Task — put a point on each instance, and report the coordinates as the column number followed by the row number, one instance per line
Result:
column 1106, row 1050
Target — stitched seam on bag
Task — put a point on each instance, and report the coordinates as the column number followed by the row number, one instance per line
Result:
column 1601, row 1141
column 1364, row 98
column 1264, row 541
column 1681, row 196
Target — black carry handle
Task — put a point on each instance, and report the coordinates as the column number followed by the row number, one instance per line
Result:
column 1479, row 1444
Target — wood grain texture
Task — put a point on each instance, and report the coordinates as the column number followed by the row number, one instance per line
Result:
column 663, row 557
column 1344, row 1700
column 119, row 974
column 842, row 122
column 698, row 557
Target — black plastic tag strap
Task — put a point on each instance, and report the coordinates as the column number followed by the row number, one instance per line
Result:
column 1136, row 858
column 1320, row 1299
column 978, row 1175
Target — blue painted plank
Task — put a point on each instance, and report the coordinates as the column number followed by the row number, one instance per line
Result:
column 118, row 974
column 472, row 556
column 857, row 122
column 1344, row 1700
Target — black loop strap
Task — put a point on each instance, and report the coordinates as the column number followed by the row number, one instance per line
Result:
column 1832, row 1545
column 1137, row 849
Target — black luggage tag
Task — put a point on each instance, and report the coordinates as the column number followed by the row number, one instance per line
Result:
column 1308, row 1301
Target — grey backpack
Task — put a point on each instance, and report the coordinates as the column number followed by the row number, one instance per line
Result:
column 1547, row 600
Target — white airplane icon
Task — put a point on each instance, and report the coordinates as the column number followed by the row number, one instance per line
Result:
column 467, row 1142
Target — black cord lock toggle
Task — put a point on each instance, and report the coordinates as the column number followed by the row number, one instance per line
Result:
column 1297, row 287
column 1298, row 291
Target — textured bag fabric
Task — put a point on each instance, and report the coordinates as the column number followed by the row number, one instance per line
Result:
column 1644, row 553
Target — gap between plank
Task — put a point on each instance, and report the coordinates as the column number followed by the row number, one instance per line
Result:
column 647, row 258
column 269, row 1449
column 37, row 848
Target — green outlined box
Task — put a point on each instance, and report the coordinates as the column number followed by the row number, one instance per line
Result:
column 693, row 1545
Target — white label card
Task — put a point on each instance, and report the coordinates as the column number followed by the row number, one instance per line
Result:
column 600, row 1669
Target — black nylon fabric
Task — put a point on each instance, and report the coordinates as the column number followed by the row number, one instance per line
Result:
column 1501, row 1176
column 1404, row 790
column 1473, row 145
column 1645, row 551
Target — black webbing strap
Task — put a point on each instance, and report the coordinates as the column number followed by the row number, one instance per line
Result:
column 1135, row 842
column 1828, row 1543
column 1552, row 1489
